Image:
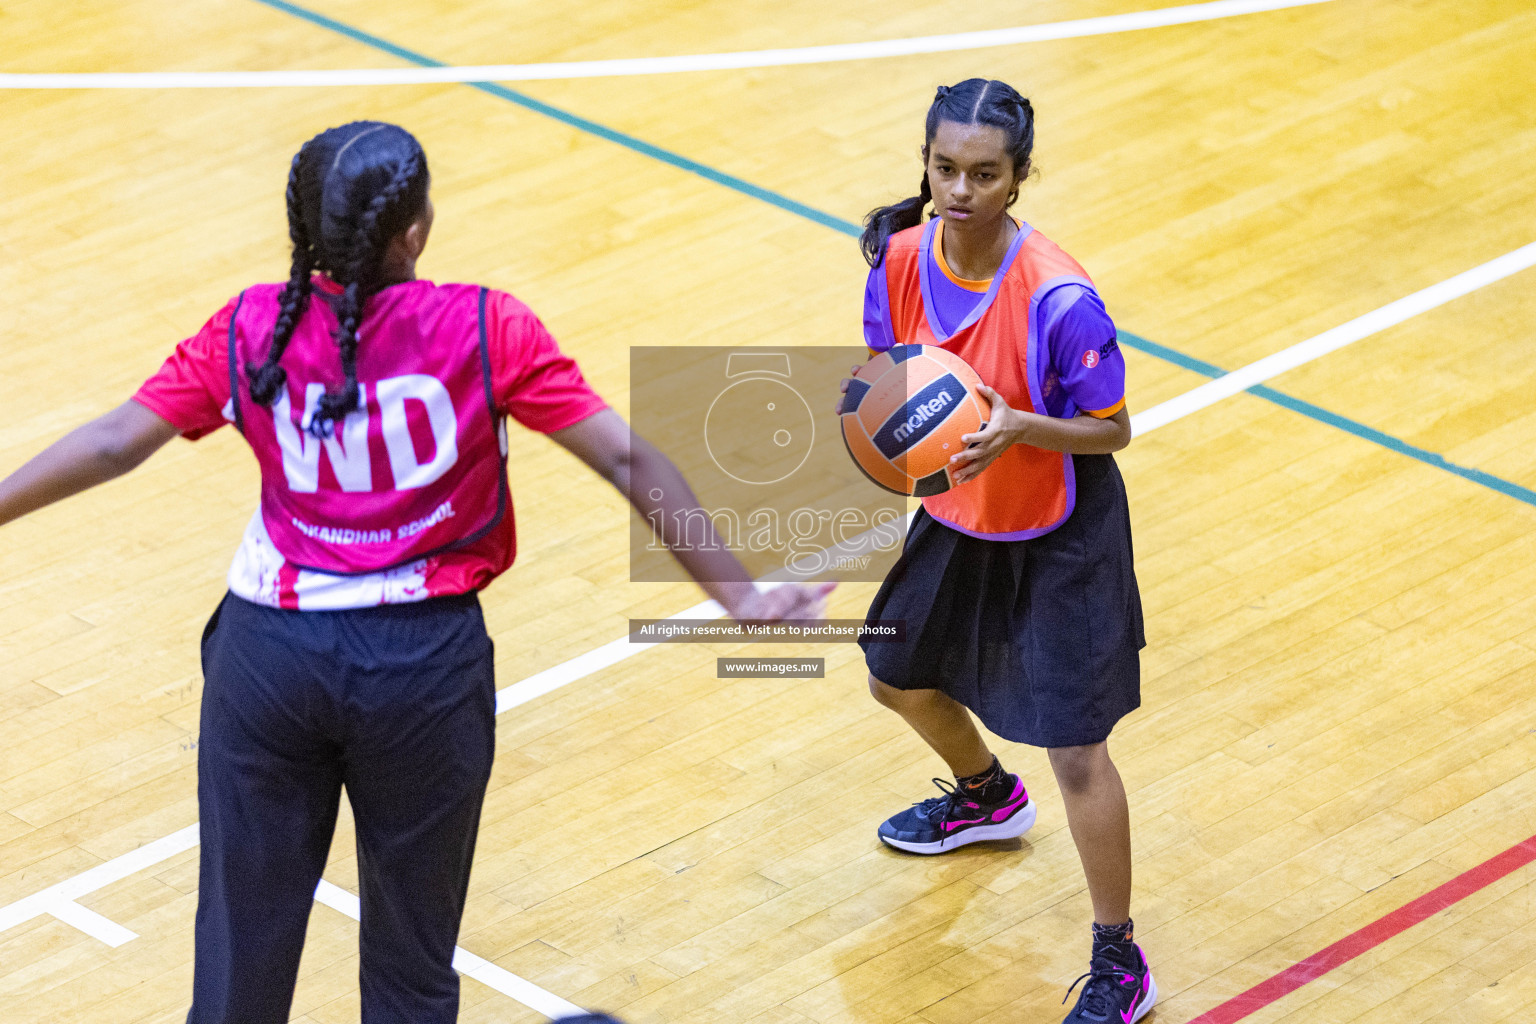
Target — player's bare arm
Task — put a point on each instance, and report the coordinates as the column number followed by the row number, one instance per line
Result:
column 101, row 450
column 657, row 490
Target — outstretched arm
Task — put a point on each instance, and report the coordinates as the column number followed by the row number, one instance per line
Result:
column 105, row 448
column 641, row 473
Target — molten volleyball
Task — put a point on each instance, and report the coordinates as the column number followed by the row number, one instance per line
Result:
column 904, row 414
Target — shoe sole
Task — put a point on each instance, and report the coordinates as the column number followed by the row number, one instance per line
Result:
column 1014, row 827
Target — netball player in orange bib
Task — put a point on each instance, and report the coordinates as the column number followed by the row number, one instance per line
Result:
column 1016, row 586
column 350, row 650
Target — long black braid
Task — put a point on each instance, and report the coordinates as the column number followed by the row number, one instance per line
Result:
column 350, row 191
column 973, row 101
column 360, row 278
column 268, row 378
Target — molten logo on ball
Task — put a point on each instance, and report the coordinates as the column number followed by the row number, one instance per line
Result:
column 904, row 414
column 917, row 417
column 925, row 412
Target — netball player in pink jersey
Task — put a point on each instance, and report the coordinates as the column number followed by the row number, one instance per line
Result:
column 1017, row 586
column 350, row 650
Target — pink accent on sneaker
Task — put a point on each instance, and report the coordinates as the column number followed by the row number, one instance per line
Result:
column 950, row 826
column 1129, row 1016
column 1020, row 797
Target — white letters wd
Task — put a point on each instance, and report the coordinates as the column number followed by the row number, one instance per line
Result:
column 347, row 446
column 430, row 392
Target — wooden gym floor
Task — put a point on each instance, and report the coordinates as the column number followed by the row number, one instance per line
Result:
column 1339, row 696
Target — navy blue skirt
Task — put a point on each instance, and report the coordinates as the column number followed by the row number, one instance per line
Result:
column 1040, row 638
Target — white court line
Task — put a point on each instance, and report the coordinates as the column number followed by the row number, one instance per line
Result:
column 54, row 899
column 58, row 899
column 92, row 923
column 465, row 962
column 1183, row 15
column 98, row 877
column 615, row 651
column 583, row 665
column 1374, row 322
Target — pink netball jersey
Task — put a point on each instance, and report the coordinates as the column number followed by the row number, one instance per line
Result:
column 416, row 470
column 407, row 498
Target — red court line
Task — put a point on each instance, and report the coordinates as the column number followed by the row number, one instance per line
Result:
column 1371, row 936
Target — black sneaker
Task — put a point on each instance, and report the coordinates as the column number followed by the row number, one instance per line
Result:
column 1115, row 994
column 941, row 823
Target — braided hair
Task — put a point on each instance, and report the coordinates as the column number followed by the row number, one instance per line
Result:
column 350, row 190
column 973, row 101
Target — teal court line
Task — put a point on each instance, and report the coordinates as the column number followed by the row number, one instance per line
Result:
column 640, row 146
column 1333, row 419
column 825, row 219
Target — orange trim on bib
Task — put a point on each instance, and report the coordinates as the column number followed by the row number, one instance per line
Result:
column 970, row 285
column 1104, row 414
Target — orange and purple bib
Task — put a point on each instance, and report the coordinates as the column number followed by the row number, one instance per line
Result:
column 1027, row 491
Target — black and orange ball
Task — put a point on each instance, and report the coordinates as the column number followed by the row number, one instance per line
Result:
column 904, row 414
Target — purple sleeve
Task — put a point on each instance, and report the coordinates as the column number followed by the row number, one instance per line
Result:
column 1084, row 353
column 877, row 312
